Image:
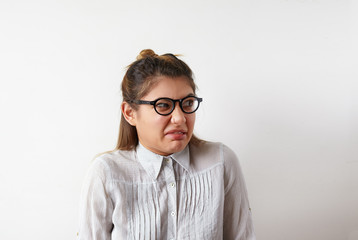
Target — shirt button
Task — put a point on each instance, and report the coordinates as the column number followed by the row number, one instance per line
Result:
column 166, row 159
column 172, row 185
column 173, row 214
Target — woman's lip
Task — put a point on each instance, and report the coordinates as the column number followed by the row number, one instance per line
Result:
column 176, row 132
column 176, row 135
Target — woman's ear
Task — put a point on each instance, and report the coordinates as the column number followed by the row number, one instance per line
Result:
column 128, row 113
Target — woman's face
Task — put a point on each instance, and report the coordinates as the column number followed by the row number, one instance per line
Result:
column 165, row 135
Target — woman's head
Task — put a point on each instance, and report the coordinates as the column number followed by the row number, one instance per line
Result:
column 141, row 74
column 148, row 78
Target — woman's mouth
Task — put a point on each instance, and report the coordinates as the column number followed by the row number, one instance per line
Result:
column 176, row 134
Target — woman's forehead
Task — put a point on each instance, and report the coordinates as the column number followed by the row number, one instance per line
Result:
column 172, row 87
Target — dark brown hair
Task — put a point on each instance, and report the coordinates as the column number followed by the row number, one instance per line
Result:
column 138, row 81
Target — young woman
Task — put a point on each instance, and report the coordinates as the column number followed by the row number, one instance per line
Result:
column 162, row 182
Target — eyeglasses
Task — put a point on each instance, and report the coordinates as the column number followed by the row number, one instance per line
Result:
column 165, row 106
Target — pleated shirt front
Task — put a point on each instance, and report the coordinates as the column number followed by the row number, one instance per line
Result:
column 198, row 193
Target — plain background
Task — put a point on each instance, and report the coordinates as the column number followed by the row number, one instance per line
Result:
column 278, row 78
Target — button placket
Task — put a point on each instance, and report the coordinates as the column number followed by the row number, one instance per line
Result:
column 172, row 199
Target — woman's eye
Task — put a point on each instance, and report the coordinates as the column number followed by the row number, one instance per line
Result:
column 188, row 103
column 162, row 105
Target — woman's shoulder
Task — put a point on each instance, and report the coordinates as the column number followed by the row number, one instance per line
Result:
column 208, row 148
column 115, row 157
column 208, row 153
column 112, row 164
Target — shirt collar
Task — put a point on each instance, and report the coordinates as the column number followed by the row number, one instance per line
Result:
column 183, row 158
column 152, row 162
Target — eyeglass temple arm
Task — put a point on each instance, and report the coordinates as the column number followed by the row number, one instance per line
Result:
column 141, row 102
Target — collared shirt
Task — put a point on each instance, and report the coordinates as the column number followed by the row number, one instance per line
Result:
column 198, row 193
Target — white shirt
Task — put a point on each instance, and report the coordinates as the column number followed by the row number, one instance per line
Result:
column 198, row 193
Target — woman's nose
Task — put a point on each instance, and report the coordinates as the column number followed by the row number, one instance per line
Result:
column 178, row 116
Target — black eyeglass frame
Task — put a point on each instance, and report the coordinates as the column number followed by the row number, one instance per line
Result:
column 172, row 100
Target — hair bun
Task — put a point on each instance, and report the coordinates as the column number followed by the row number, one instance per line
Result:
column 146, row 53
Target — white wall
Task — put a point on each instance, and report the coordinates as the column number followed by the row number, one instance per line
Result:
column 277, row 78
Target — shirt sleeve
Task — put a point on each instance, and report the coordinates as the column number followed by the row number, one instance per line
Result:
column 96, row 206
column 237, row 213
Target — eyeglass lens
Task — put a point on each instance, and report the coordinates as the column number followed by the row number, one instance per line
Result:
column 166, row 106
